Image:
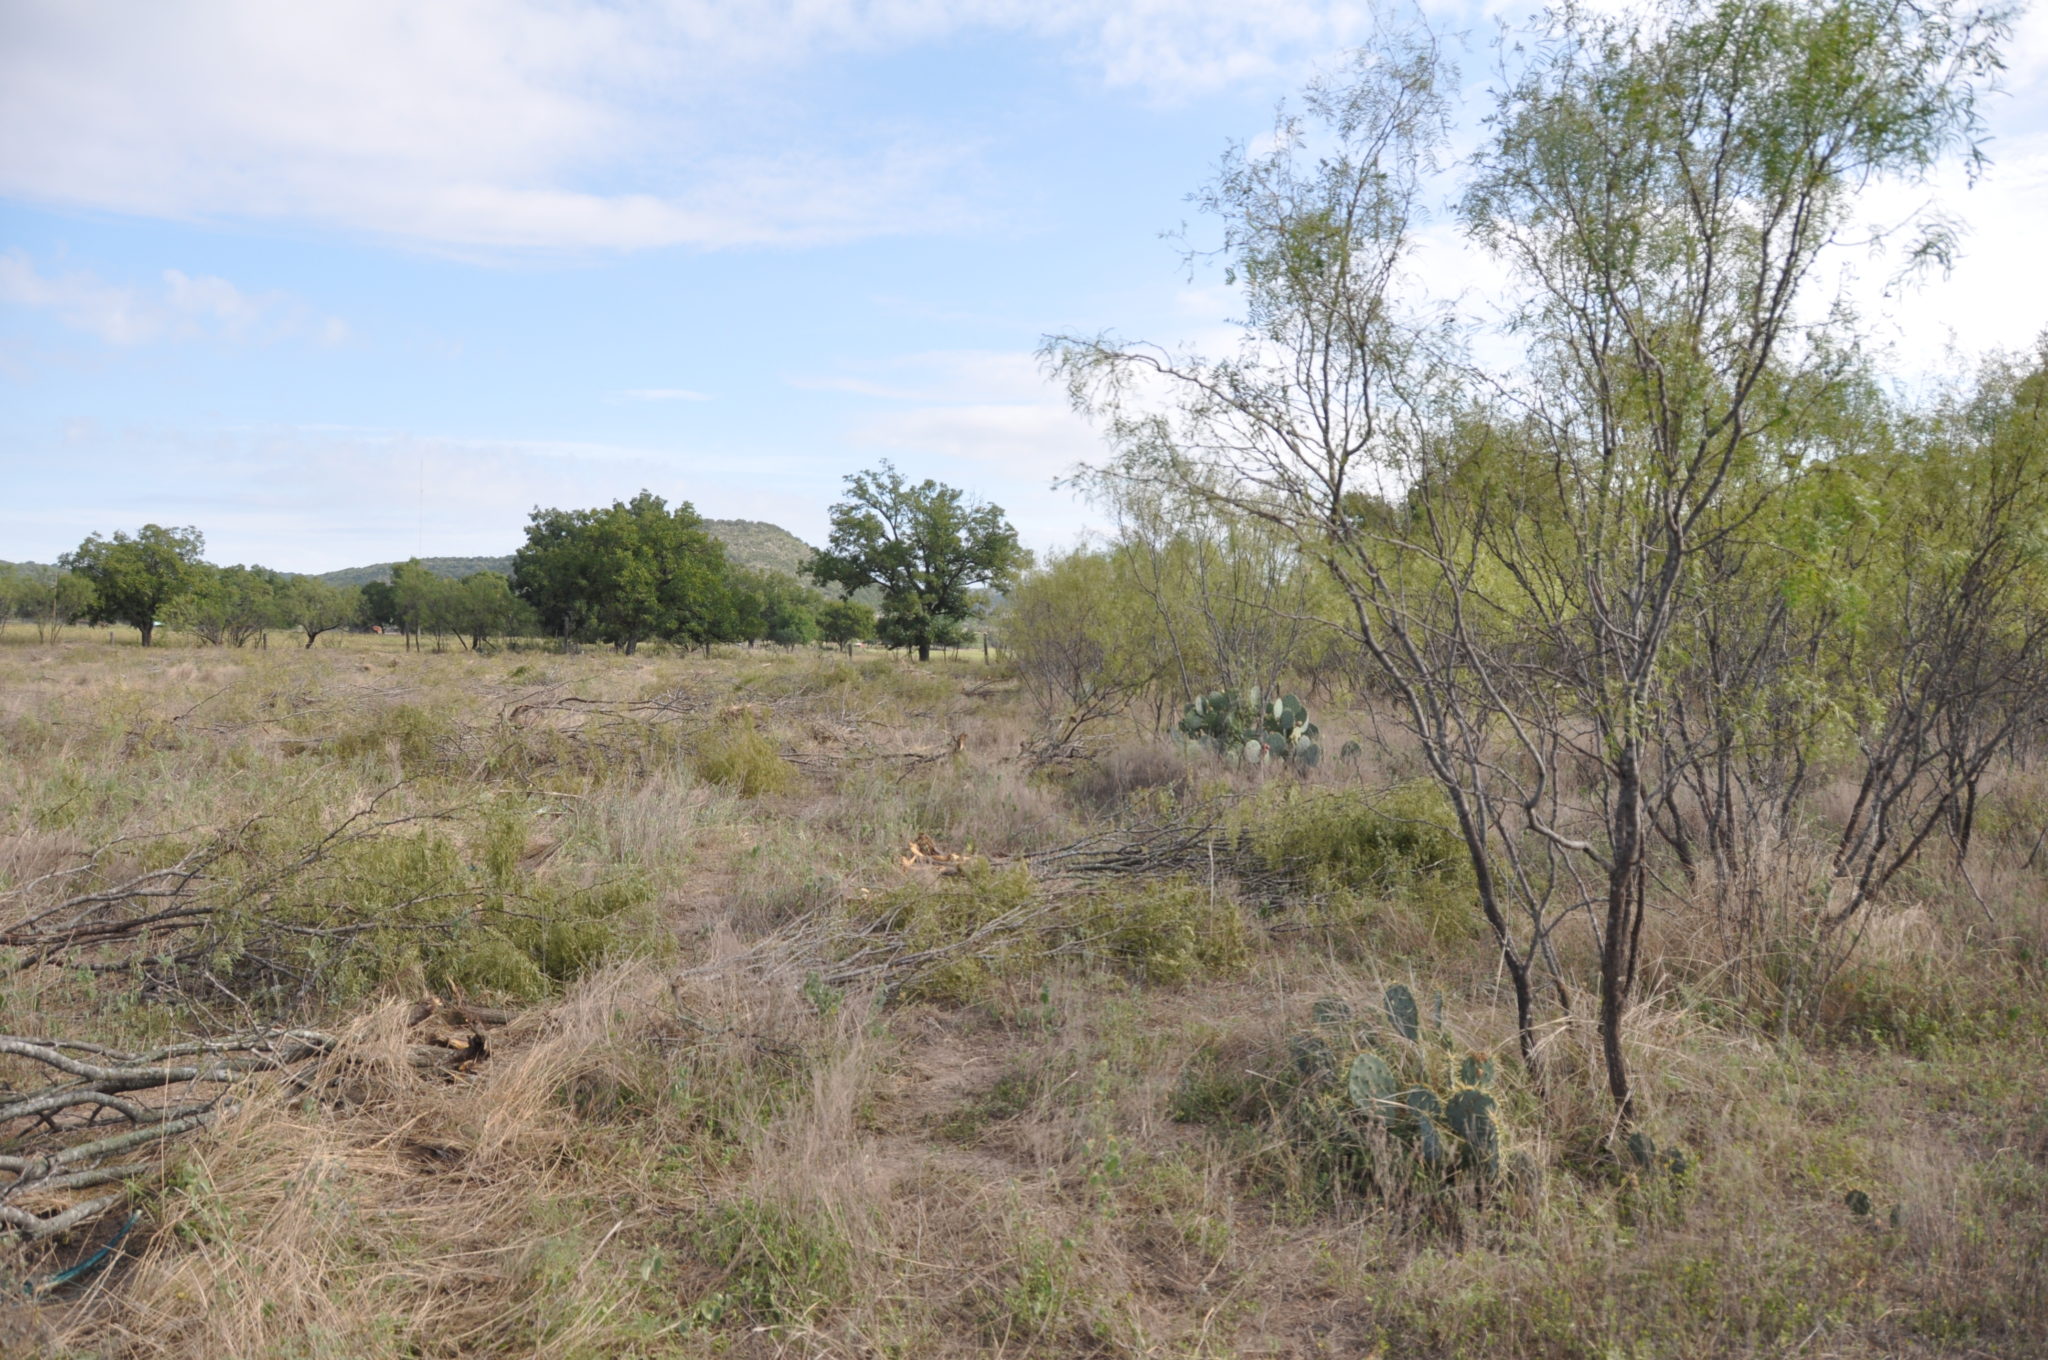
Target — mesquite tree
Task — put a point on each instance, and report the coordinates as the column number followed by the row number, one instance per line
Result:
column 1520, row 553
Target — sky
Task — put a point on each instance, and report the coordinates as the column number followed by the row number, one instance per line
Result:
column 352, row 280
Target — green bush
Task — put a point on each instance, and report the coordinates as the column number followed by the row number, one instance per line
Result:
column 1358, row 842
column 938, row 915
column 741, row 759
column 413, row 734
column 412, row 900
column 1169, row 933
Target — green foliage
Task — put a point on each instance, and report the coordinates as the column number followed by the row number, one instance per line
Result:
column 51, row 600
column 1655, row 1182
column 936, row 916
column 1359, row 842
column 314, row 606
column 1167, row 933
column 773, row 607
column 924, row 546
column 450, row 903
column 783, row 1265
column 229, row 605
column 1243, row 725
column 1216, row 1090
column 740, row 758
column 132, row 579
column 1079, row 636
column 478, row 608
column 412, row 734
column 624, row 574
column 845, row 622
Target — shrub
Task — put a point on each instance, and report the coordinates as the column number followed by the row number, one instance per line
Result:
column 741, row 759
column 1358, row 842
column 415, row 736
column 1166, row 932
column 358, row 910
column 1107, row 784
column 1170, row 932
column 938, row 915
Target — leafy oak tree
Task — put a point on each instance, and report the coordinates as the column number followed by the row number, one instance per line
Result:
column 845, row 622
column 481, row 606
column 313, row 606
column 925, row 547
column 133, row 579
column 626, row 573
column 230, row 606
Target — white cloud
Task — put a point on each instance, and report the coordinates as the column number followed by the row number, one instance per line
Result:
column 183, row 307
column 938, row 375
column 663, row 394
column 529, row 124
column 1042, row 441
column 993, row 408
column 81, row 300
column 316, row 498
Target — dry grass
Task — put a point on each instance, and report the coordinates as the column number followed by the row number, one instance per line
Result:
column 700, row 1146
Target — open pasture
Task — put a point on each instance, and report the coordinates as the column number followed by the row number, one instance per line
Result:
column 803, row 1032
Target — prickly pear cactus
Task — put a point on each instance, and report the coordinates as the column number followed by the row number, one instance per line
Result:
column 1246, row 725
column 1312, row 1055
column 1470, row 1114
column 1392, row 1088
column 1371, row 1083
column 1642, row 1150
column 1421, row 1133
column 1405, row 1014
column 1421, row 1100
column 1289, row 735
column 1222, row 721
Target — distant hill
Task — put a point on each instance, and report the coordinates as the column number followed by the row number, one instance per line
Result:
column 748, row 542
column 753, row 543
column 455, row 568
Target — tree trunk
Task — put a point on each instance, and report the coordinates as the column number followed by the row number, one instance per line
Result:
column 924, row 649
column 1625, row 891
column 147, row 627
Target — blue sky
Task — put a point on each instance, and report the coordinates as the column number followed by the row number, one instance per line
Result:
column 340, row 282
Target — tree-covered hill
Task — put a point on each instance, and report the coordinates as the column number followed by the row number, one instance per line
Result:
column 748, row 543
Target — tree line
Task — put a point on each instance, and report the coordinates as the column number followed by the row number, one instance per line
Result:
column 620, row 575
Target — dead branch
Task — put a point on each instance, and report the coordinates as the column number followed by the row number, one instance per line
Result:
column 102, row 1117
